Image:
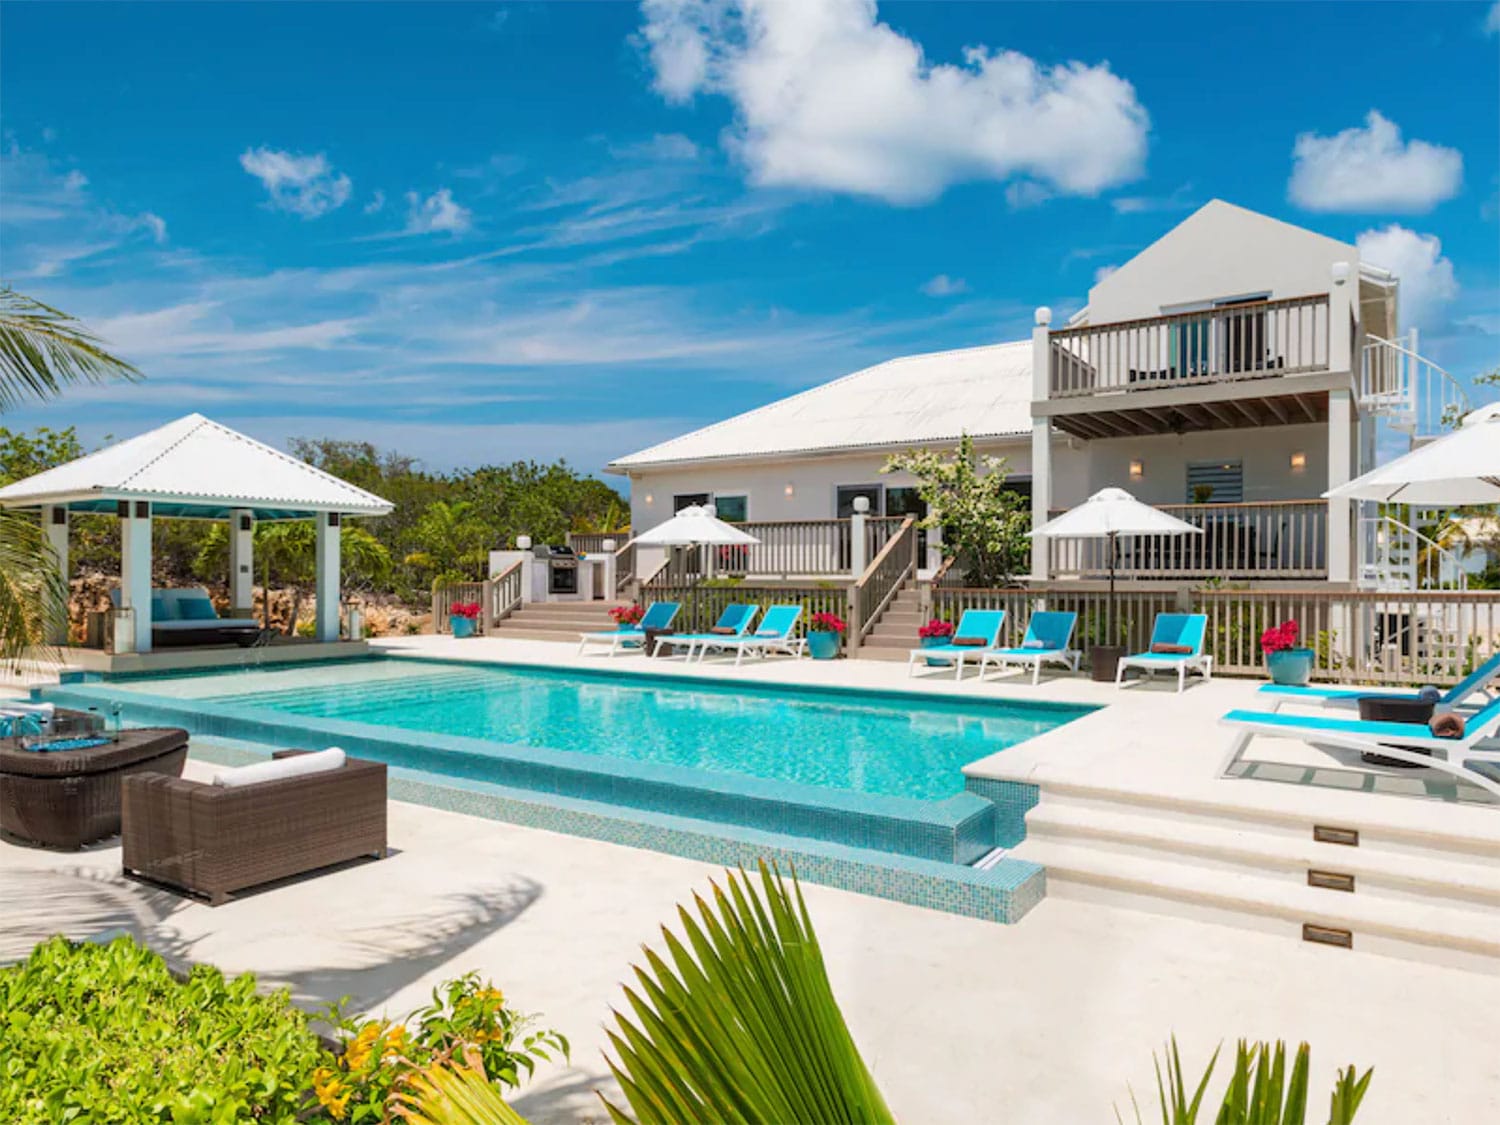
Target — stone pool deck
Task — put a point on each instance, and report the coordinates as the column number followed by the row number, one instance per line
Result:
column 962, row 1021
column 1048, row 1021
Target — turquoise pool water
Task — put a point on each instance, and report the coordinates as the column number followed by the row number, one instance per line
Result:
column 859, row 742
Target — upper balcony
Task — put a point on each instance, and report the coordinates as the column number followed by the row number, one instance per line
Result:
column 1252, row 363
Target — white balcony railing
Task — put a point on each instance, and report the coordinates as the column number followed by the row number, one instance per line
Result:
column 1254, row 340
column 1270, row 539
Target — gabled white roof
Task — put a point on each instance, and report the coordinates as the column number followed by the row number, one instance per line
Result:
column 198, row 467
column 938, row 397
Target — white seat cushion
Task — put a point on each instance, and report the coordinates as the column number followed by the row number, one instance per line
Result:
column 280, row 769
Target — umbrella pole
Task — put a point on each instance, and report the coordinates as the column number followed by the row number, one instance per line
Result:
column 1113, row 638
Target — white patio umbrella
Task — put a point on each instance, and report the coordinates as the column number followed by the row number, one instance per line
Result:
column 692, row 527
column 1457, row 469
column 1109, row 514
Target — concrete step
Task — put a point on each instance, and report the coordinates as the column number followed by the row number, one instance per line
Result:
column 582, row 620
column 1455, row 880
column 1452, row 935
column 521, row 633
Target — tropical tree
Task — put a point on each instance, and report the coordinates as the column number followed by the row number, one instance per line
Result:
column 454, row 541
column 42, row 350
column 984, row 523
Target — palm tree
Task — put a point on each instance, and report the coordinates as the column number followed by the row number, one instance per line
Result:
column 42, row 350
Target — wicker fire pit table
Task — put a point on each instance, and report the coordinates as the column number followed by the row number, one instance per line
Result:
column 69, row 798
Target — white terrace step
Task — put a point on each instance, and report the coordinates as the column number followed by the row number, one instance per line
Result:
column 1438, row 877
column 1451, row 935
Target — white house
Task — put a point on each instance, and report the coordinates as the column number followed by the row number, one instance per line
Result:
column 1233, row 370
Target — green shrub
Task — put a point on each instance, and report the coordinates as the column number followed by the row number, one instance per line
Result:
column 104, row 1033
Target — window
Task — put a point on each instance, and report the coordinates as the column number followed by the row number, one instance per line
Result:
column 1215, row 482
column 732, row 509
column 906, row 502
column 690, row 500
column 846, row 494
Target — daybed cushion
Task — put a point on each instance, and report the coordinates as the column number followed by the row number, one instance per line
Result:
column 196, row 609
column 206, row 626
column 280, row 769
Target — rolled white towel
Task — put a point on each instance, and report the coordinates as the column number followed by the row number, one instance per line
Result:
column 280, row 768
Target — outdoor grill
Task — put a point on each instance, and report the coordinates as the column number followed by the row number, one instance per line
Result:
column 562, row 567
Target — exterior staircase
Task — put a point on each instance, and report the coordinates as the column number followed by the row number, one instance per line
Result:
column 1399, row 891
column 895, row 634
column 555, row 621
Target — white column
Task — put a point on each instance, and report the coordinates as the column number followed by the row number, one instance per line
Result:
column 857, row 537
column 934, row 548
column 327, row 620
column 135, row 567
column 1041, row 439
column 1343, row 309
column 241, row 562
column 55, row 526
column 1340, row 461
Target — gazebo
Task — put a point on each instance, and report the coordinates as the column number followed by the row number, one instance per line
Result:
column 194, row 468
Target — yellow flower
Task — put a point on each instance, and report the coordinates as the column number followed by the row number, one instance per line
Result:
column 395, row 1040
column 491, row 994
column 338, row 1107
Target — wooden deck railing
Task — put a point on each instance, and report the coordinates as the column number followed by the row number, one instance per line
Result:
column 502, row 596
column 789, row 548
column 1249, row 341
column 592, row 542
column 888, row 571
column 444, row 597
column 702, row 603
column 1421, row 637
column 1270, row 539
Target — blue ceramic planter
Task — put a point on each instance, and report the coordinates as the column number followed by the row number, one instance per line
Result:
column 461, row 626
column 1291, row 667
column 934, row 642
column 823, row 646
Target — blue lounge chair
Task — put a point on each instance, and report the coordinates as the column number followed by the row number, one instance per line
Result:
column 1348, row 698
column 658, row 615
column 773, row 634
column 735, row 617
column 1406, row 742
column 981, row 623
column 1174, row 630
column 1048, row 640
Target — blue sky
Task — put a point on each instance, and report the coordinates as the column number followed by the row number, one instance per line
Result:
column 477, row 232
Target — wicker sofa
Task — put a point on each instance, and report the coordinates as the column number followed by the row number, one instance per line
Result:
column 182, row 617
column 213, row 842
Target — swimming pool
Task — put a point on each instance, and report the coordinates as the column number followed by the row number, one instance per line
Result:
column 876, row 744
column 859, row 789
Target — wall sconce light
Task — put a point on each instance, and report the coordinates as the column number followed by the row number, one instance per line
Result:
column 789, row 490
column 649, row 498
column 1137, row 470
column 1299, row 461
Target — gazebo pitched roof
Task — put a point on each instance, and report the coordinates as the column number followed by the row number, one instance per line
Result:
column 195, row 468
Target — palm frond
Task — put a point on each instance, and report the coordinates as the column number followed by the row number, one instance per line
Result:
column 43, row 349
column 449, row 1093
column 738, row 1022
column 33, row 591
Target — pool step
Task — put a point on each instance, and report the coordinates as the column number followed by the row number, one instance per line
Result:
column 1406, row 894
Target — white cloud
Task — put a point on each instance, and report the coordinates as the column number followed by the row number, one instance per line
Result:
column 377, row 202
column 1025, row 193
column 826, row 96
column 1369, row 168
column 669, row 147
column 1180, row 199
column 944, row 286
column 1427, row 281
column 1492, row 21
column 303, row 185
column 436, row 214
column 155, row 224
column 1102, row 272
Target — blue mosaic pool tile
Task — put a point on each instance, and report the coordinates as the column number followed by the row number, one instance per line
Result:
column 1012, row 801
column 1002, row 893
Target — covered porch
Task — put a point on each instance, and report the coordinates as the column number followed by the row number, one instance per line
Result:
column 194, row 469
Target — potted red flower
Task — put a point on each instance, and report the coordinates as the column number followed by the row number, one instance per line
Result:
column 1287, row 663
column 462, row 618
column 824, row 633
column 936, row 632
column 627, row 617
